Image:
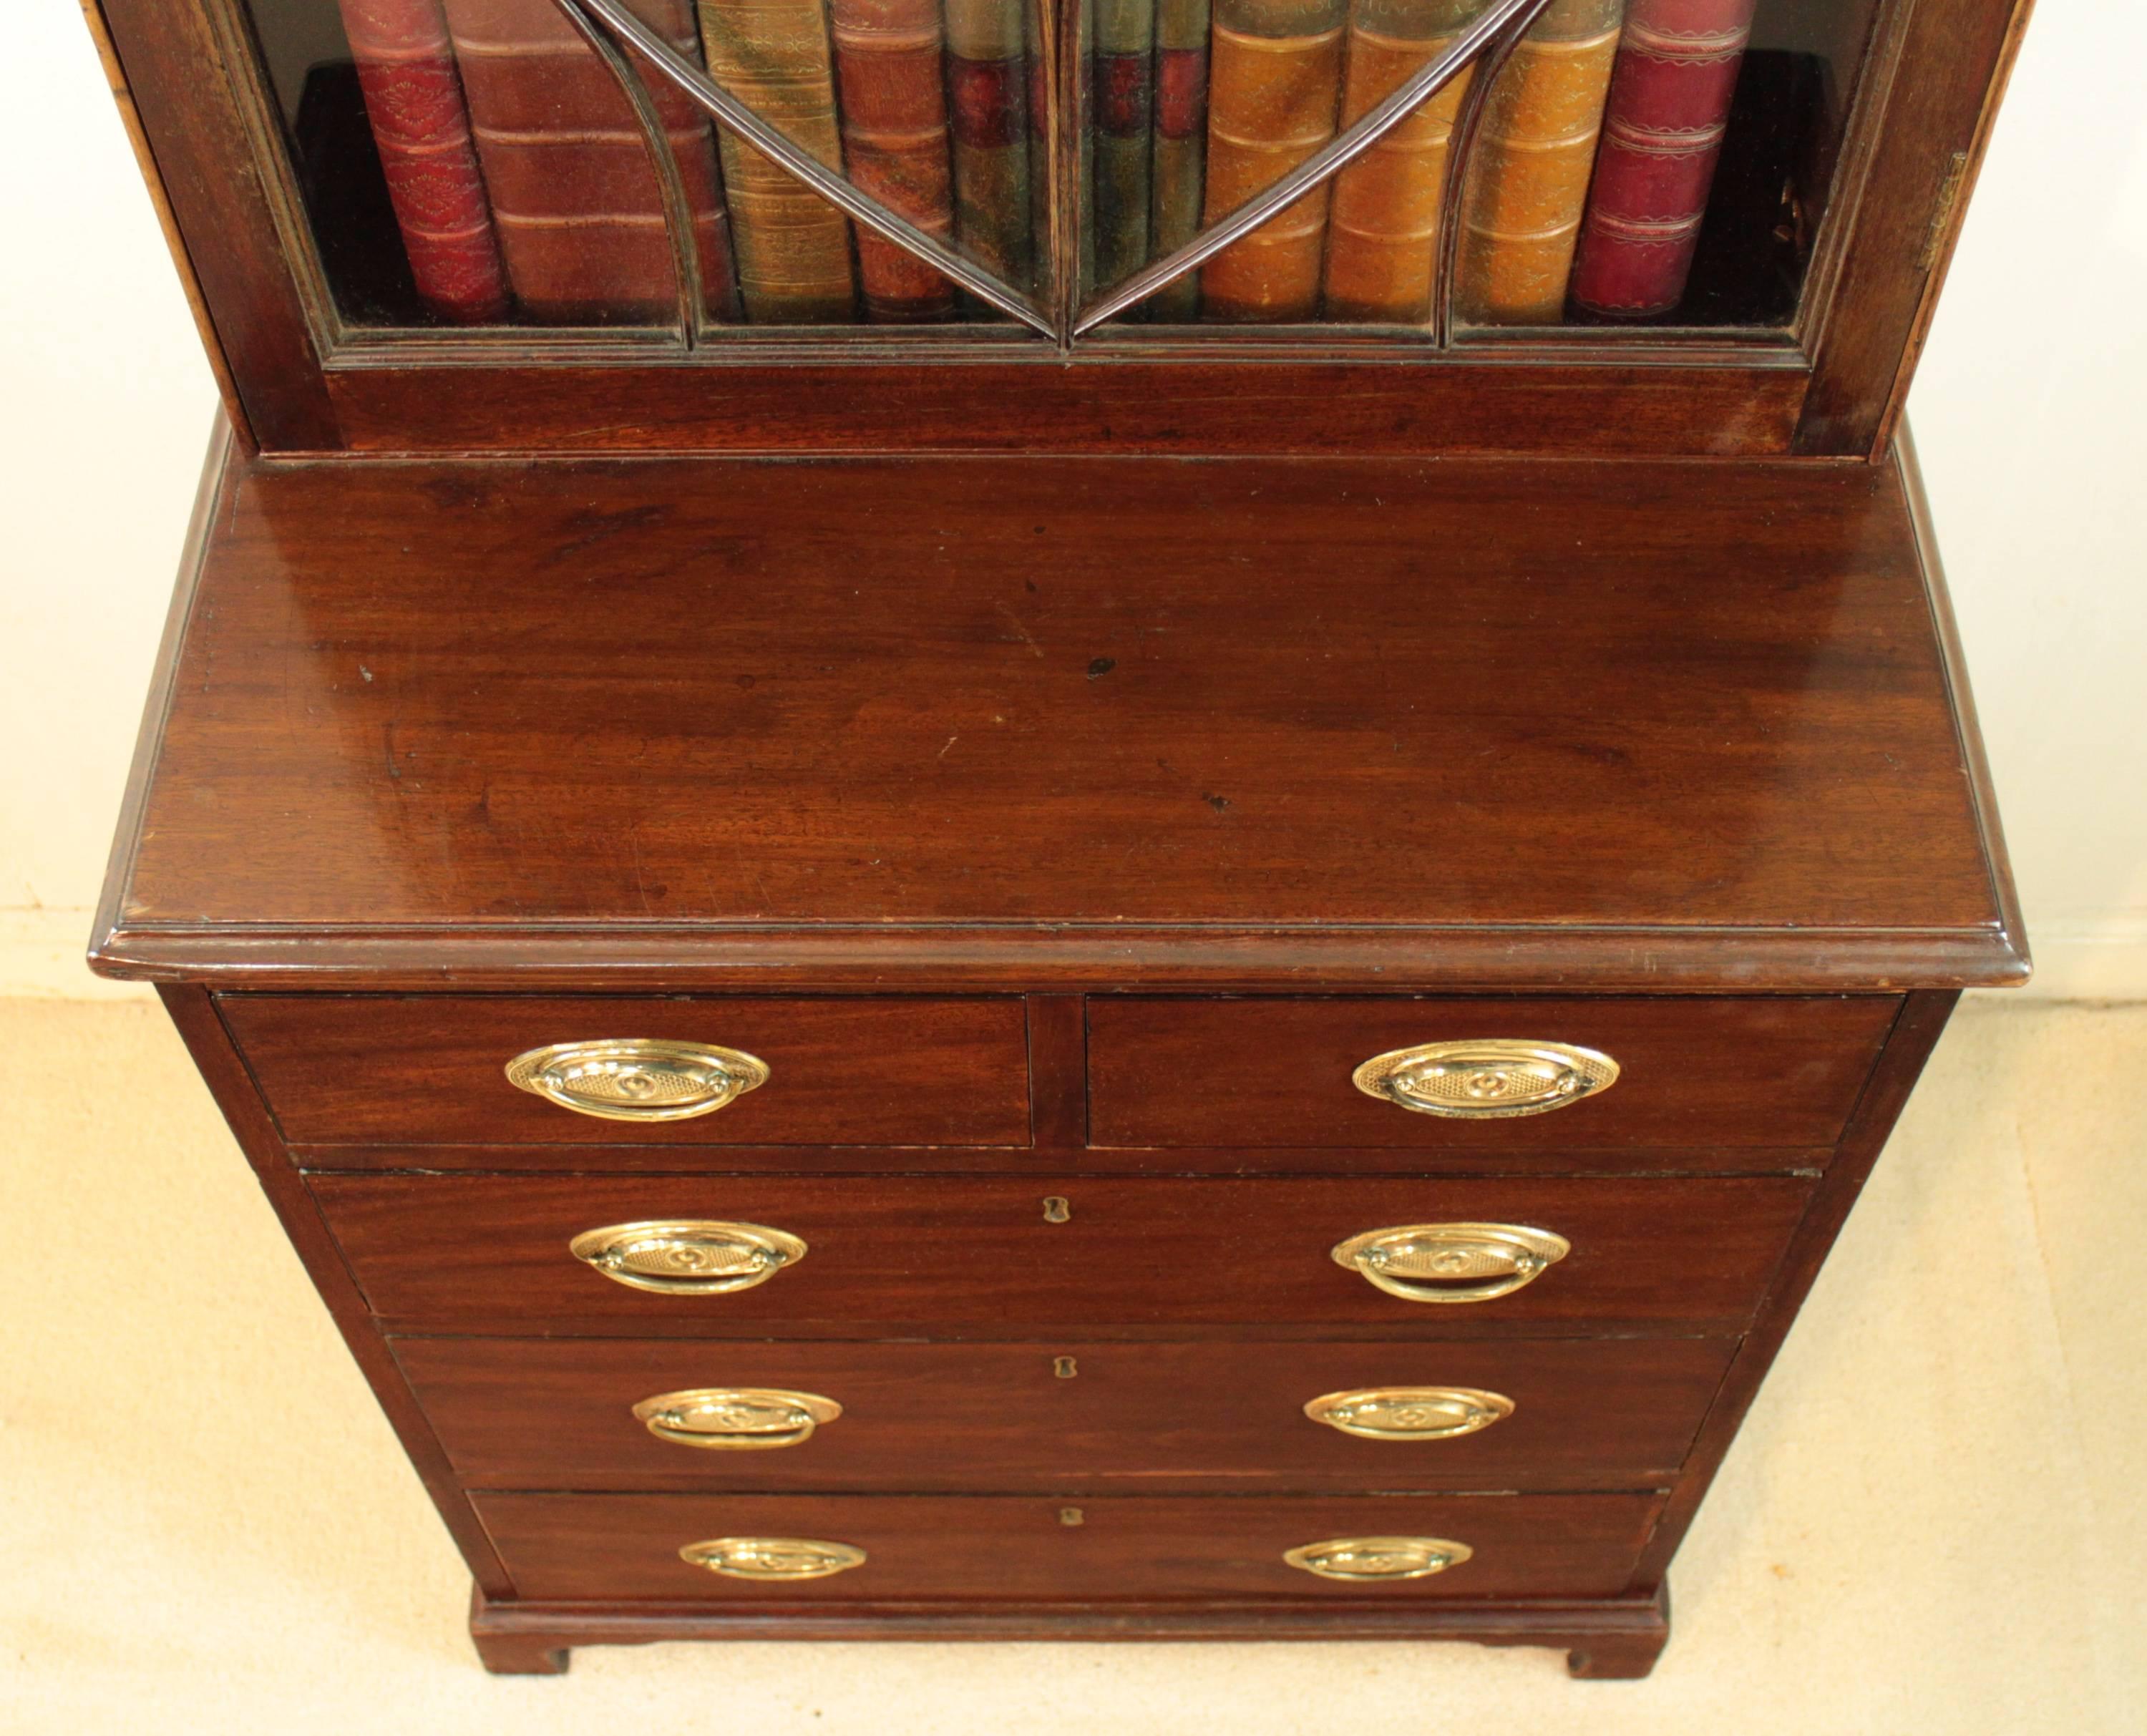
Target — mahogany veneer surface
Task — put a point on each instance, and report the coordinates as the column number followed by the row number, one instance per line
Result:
column 983, row 715
column 359, row 1067
column 979, row 1258
column 1758, row 1070
column 1013, row 1547
column 558, row 1413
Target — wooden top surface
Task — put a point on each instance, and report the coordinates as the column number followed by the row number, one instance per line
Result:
column 1374, row 723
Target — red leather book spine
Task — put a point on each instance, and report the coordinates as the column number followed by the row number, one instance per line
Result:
column 413, row 99
column 895, row 142
column 1662, row 135
column 577, row 205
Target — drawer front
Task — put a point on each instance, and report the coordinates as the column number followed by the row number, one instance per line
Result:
column 358, row 1069
column 553, row 1413
column 491, row 1253
column 1165, row 1071
column 1014, row 1549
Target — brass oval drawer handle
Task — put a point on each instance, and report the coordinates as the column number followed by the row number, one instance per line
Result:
column 688, row 1257
column 1410, row 1413
column 1452, row 1263
column 637, row 1078
column 772, row 1558
column 736, row 1418
column 1484, row 1077
column 1361, row 1559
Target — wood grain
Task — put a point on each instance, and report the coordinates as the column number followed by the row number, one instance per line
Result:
column 843, row 1070
column 1669, row 725
column 976, row 1259
column 558, row 1413
column 1610, row 1637
column 1012, row 1547
column 1753, row 1071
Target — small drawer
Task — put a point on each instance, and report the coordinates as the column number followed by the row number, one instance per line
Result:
column 1721, row 1072
column 370, row 1069
column 1011, row 1548
column 807, row 1256
column 1066, row 1414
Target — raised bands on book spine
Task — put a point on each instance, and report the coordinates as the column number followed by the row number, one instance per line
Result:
column 1274, row 85
column 1181, row 146
column 413, row 102
column 1122, row 121
column 1530, row 183
column 793, row 247
column 1662, row 136
column 888, row 55
column 987, row 93
column 1383, row 238
column 577, row 202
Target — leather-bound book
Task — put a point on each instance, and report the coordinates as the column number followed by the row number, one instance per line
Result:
column 793, row 247
column 1181, row 146
column 1274, row 84
column 576, row 201
column 1529, row 184
column 987, row 86
column 414, row 100
column 1123, row 67
column 1384, row 233
column 887, row 71
column 1662, row 134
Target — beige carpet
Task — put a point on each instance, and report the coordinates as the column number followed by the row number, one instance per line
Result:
column 1934, row 1522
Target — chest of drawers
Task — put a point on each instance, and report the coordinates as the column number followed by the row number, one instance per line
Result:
column 836, row 1093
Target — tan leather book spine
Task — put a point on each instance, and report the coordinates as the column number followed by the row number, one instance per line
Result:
column 1529, row 188
column 793, row 248
column 1275, row 86
column 887, row 73
column 988, row 92
column 576, row 202
column 1383, row 235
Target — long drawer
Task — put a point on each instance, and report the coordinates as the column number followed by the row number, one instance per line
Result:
column 1708, row 1071
column 358, row 1069
column 1009, row 1548
column 994, row 1258
column 560, row 1414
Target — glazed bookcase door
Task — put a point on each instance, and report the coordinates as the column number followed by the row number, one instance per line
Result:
column 592, row 165
column 1695, row 225
column 474, row 166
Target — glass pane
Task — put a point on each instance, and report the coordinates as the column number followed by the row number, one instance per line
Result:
column 1663, row 161
column 1640, row 168
column 475, row 161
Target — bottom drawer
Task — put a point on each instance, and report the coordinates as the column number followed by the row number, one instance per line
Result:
column 1026, row 1548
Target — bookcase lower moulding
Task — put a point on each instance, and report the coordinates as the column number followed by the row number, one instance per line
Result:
column 871, row 1095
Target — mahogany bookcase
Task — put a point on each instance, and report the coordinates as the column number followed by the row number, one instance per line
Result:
column 1063, row 972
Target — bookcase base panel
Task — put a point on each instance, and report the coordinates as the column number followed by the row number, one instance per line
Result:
column 1603, row 1637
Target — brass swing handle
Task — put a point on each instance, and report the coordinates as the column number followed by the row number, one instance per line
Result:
column 690, row 1257
column 1485, row 1079
column 1358, row 1559
column 637, row 1078
column 736, row 1418
column 1452, row 1263
column 772, row 1558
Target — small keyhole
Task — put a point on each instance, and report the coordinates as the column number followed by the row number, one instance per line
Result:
column 1056, row 1209
column 1071, row 1516
column 1064, row 1366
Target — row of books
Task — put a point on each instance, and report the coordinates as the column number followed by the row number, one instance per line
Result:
column 523, row 188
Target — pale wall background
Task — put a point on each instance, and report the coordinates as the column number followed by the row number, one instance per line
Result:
column 2027, row 411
